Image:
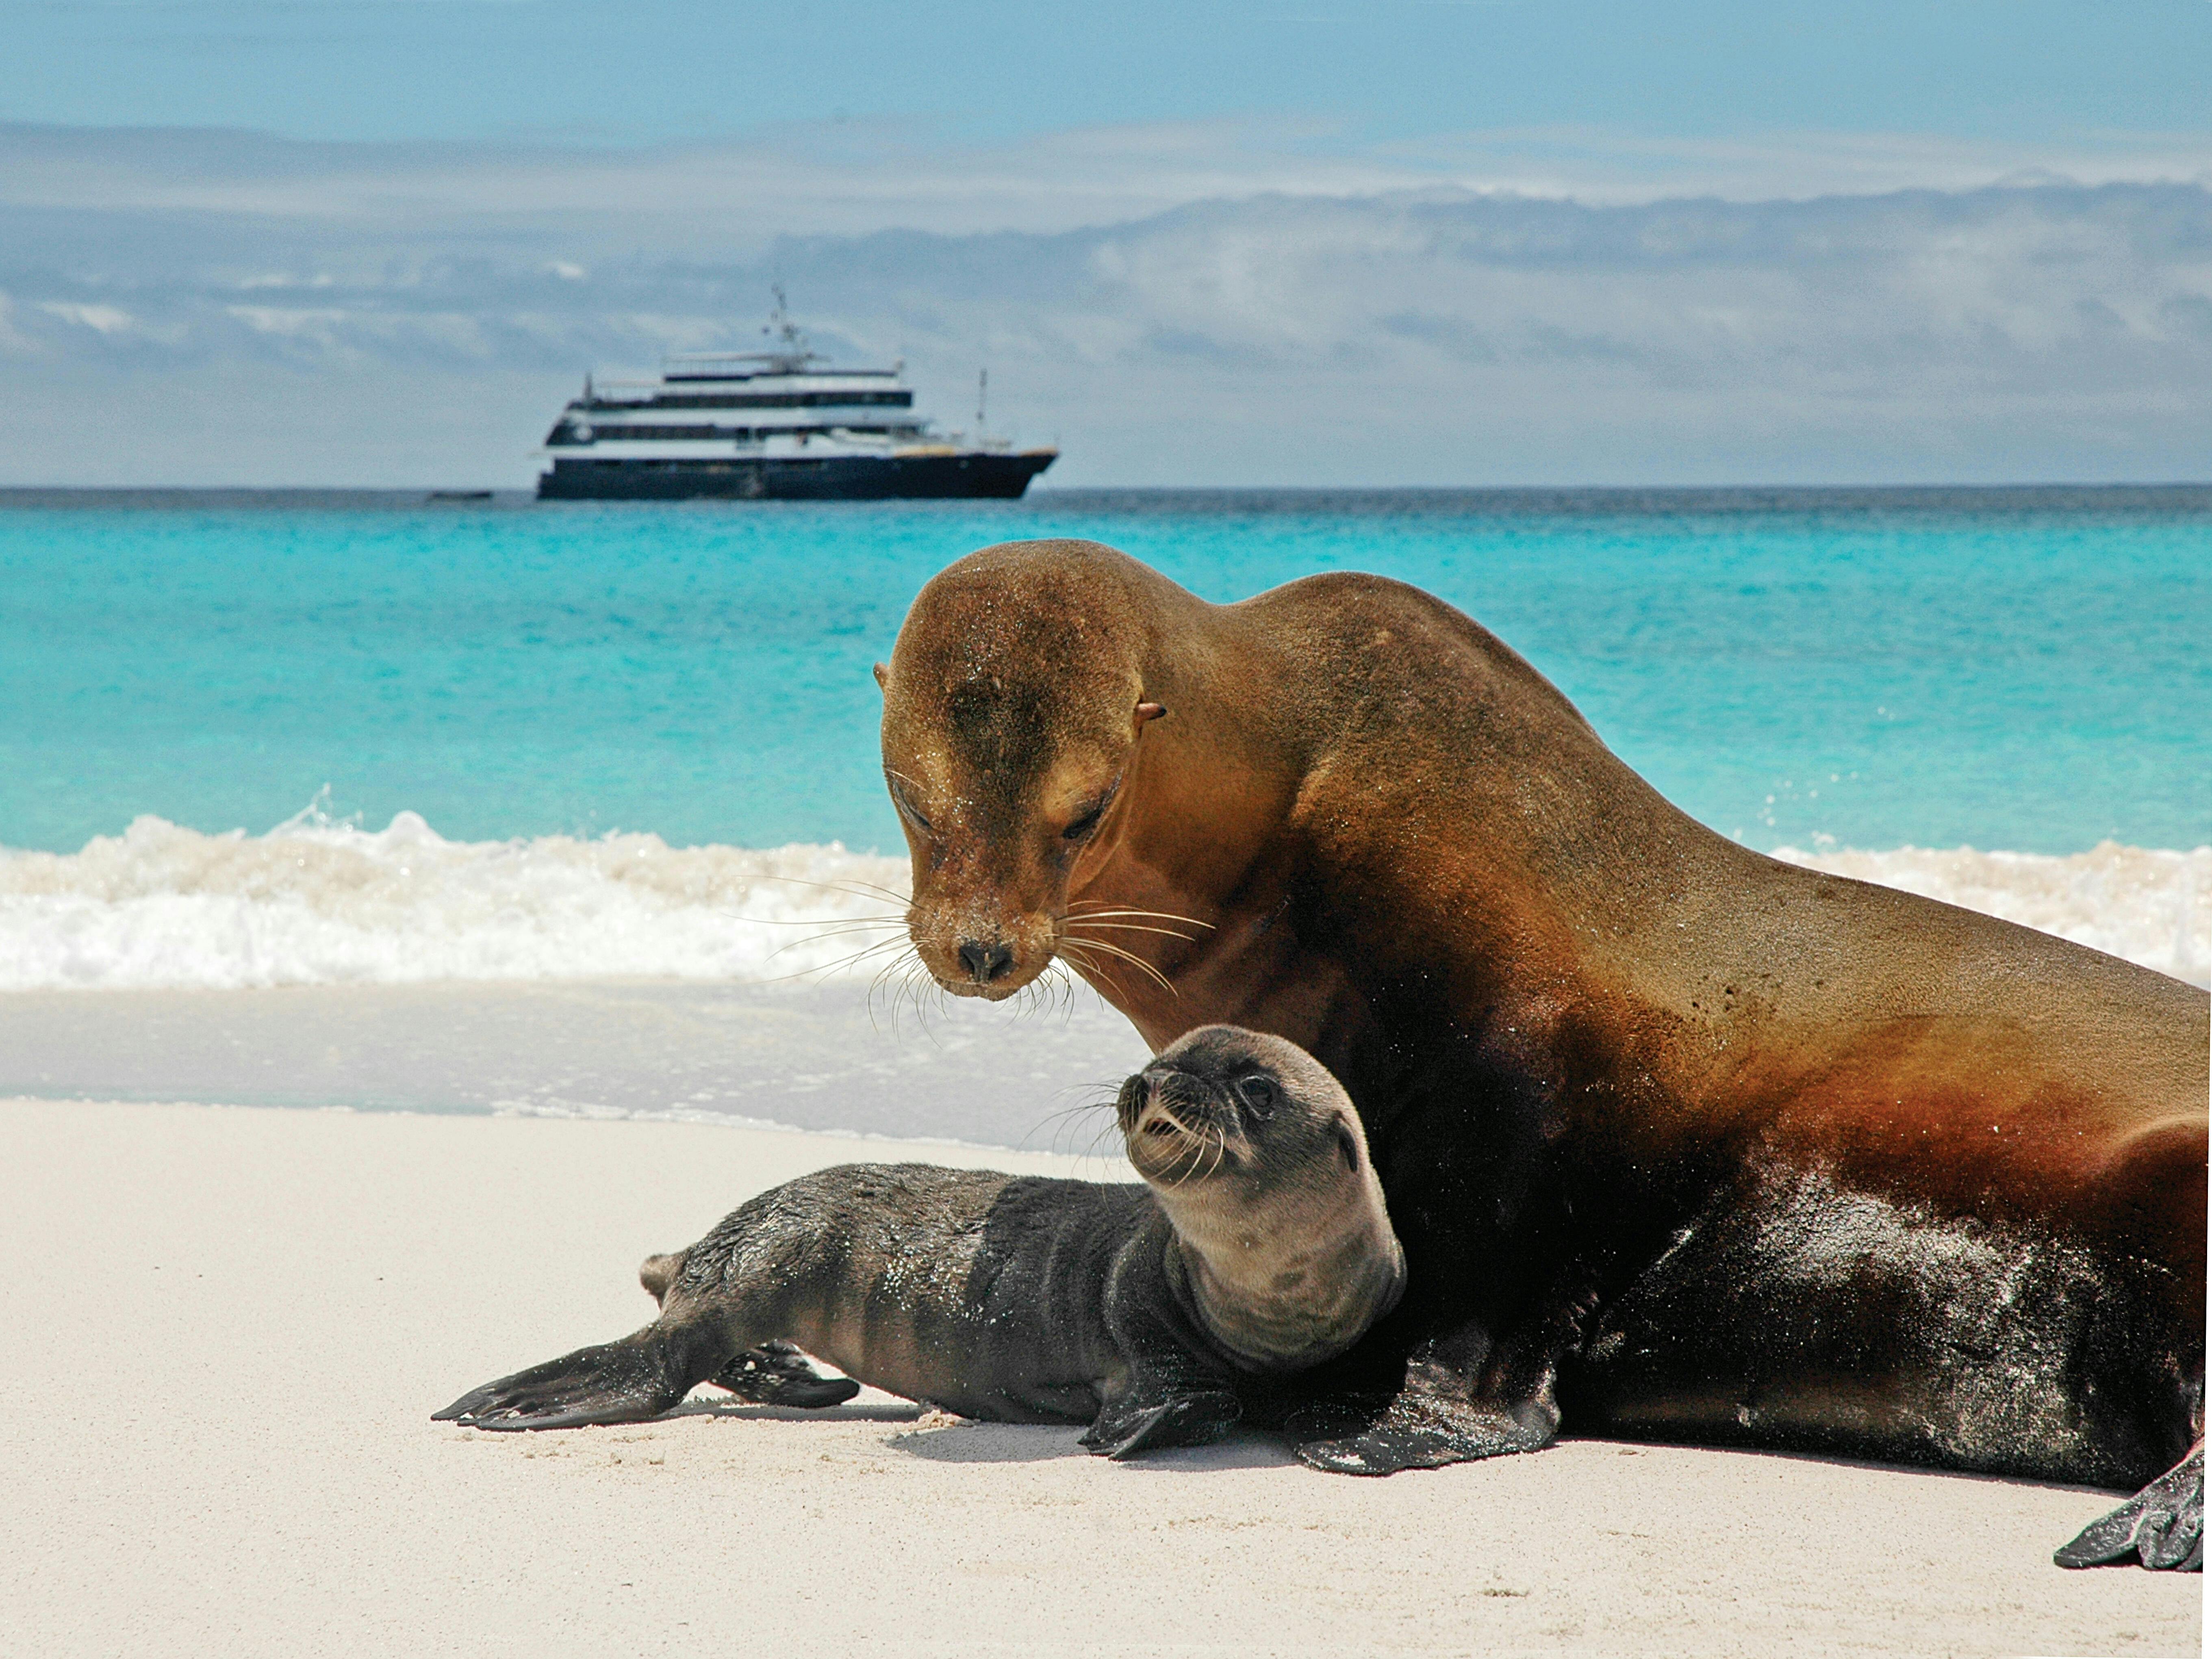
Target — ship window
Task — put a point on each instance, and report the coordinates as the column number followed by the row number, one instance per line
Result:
column 775, row 400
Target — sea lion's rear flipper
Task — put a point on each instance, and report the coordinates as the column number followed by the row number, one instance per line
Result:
column 2162, row 1526
column 627, row 1381
column 1148, row 1421
column 778, row 1373
column 1413, row 1430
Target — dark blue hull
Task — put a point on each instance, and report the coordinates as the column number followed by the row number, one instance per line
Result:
column 837, row 478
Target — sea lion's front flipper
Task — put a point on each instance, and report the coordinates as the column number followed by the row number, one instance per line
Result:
column 778, row 1373
column 1413, row 1430
column 627, row 1381
column 1140, row 1422
column 2162, row 1526
column 1463, row 1397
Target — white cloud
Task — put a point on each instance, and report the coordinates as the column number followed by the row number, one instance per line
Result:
column 735, row 196
column 105, row 319
column 1353, row 324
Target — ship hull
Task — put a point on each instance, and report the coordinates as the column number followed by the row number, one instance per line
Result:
column 833, row 478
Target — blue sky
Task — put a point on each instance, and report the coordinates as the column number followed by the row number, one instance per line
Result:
column 2013, row 71
column 323, row 242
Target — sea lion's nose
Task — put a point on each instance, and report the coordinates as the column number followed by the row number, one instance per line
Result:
column 986, row 963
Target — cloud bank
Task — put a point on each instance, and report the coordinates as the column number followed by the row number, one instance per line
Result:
column 207, row 307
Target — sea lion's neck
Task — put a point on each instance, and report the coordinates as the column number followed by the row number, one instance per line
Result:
column 1280, row 1293
column 1548, row 863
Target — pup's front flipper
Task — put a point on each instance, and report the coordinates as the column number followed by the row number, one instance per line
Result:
column 627, row 1381
column 1148, row 1422
column 2162, row 1526
column 778, row 1373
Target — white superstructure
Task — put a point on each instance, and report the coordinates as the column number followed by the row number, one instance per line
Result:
column 770, row 423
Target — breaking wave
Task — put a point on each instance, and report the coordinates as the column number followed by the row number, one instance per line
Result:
column 314, row 902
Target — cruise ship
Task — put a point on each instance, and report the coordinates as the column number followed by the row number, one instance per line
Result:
column 771, row 425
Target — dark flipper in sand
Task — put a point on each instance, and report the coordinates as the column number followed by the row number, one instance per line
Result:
column 2162, row 1526
column 778, row 1373
column 1380, row 1435
column 1127, row 1427
column 631, row 1381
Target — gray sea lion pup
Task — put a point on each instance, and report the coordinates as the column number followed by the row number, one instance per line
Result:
column 1258, row 1246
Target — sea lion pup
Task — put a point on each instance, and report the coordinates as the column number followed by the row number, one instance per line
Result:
column 1682, row 1142
column 1258, row 1246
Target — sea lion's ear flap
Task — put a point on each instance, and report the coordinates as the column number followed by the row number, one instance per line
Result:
column 1147, row 713
column 883, row 677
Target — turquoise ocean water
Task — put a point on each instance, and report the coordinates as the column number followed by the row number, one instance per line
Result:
column 2017, row 669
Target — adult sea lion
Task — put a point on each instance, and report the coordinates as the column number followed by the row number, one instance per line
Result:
column 1258, row 1246
column 1681, row 1141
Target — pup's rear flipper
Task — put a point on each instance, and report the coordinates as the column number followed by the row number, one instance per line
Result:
column 627, row 1381
column 2162, row 1526
column 777, row 1374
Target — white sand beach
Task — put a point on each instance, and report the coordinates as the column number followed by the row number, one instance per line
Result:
column 225, row 1328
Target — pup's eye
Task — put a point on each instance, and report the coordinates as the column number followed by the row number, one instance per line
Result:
column 1259, row 1093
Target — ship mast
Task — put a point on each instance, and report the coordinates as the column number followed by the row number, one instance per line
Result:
column 790, row 355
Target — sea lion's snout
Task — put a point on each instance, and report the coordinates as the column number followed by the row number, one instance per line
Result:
column 1175, row 1128
column 985, row 962
column 976, row 949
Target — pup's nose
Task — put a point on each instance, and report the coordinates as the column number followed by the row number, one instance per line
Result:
column 986, row 963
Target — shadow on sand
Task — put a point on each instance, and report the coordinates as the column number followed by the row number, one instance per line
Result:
column 1019, row 1443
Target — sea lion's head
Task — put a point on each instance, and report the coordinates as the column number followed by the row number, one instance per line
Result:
column 1013, row 703
column 1259, row 1159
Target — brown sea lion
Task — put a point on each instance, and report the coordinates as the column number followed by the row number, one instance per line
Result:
column 1681, row 1141
column 1258, row 1246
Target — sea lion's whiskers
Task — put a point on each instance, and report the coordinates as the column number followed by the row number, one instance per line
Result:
column 1094, row 909
column 903, row 993
column 1129, row 927
column 1166, row 984
column 898, row 921
column 1036, row 998
column 1050, row 985
column 1075, row 953
column 850, row 888
column 922, row 988
column 1197, row 1158
column 896, row 964
column 836, row 930
column 1195, row 1144
column 831, row 967
column 817, row 939
column 1076, row 1111
column 1070, row 987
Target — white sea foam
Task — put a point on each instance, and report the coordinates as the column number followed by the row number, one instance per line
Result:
column 314, row 902
column 2144, row 904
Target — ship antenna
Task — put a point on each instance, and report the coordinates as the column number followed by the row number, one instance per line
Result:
column 794, row 353
column 982, row 387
